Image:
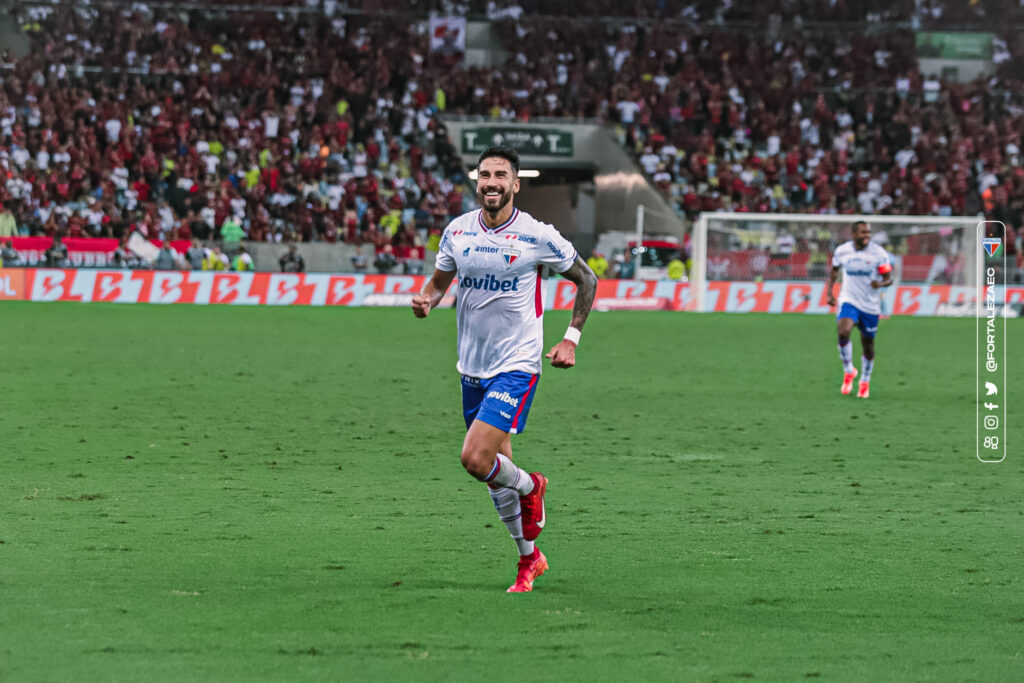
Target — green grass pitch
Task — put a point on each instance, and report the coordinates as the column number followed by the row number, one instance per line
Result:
column 240, row 494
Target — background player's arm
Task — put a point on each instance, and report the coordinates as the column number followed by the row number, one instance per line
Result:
column 563, row 354
column 833, row 278
column 433, row 292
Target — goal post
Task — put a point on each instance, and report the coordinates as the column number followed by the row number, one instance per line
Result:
column 781, row 247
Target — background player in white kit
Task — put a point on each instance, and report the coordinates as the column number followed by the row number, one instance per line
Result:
column 866, row 268
column 498, row 253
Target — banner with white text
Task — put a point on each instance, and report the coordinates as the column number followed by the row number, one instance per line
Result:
column 320, row 289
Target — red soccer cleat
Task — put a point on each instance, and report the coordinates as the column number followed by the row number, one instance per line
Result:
column 533, row 507
column 530, row 567
column 864, row 390
column 848, row 378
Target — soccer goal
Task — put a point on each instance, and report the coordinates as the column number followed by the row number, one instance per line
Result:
column 782, row 248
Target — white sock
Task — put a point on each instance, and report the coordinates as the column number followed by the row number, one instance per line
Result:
column 506, row 502
column 505, row 473
column 846, row 355
column 866, row 366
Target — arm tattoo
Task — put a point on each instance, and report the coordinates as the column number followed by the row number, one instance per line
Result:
column 586, row 288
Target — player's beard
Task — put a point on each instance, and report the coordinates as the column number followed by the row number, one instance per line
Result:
column 502, row 201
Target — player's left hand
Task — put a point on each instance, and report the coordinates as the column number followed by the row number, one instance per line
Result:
column 562, row 354
column 875, row 284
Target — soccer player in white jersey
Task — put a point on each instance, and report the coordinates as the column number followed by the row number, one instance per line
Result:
column 866, row 269
column 497, row 253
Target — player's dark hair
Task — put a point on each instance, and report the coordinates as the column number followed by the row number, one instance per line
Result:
column 509, row 155
column 854, row 228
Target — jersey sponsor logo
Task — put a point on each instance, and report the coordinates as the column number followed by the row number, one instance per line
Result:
column 862, row 273
column 504, row 397
column 490, row 284
column 487, row 250
column 511, row 256
column 555, row 250
column 522, row 238
column 467, row 233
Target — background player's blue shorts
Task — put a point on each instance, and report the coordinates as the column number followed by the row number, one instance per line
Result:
column 502, row 401
column 867, row 323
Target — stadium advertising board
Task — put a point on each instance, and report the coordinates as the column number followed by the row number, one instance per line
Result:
column 544, row 142
column 317, row 289
column 12, row 284
column 938, row 45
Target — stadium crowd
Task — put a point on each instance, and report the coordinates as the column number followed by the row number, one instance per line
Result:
column 119, row 121
column 835, row 123
column 292, row 126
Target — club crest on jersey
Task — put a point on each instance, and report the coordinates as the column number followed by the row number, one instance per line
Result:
column 511, row 256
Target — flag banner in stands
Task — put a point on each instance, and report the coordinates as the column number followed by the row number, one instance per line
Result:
column 448, row 35
column 320, row 289
column 83, row 252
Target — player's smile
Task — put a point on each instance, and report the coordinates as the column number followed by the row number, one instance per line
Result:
column 493, row 198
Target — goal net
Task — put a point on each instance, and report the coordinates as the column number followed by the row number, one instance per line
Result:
column 781, row 248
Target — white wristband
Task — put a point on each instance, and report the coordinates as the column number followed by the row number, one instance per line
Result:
column 573, row 335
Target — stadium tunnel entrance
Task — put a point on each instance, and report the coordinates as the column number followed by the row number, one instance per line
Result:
column 586, row 184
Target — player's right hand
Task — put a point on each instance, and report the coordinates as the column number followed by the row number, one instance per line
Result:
column 831, row 299
column 420, row 306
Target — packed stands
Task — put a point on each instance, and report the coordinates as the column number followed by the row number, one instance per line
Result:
column 123, row 120
column 299, row 126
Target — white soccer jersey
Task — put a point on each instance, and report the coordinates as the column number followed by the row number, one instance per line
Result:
column 499, row 299
column 860, row 268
